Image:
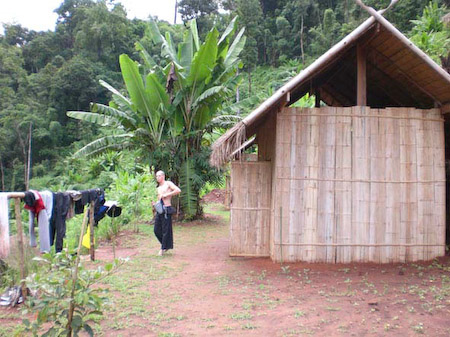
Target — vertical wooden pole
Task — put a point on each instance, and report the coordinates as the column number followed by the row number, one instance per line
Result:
column 281, row 235
column 361, row 66
column 20, row 243
column 91, row 229
column 75, row 277
column 318, row 98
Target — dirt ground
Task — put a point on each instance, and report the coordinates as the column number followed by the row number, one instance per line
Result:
column 198, row 290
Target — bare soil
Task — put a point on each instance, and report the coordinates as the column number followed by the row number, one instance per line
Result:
column 198, row 290
column 216, row 196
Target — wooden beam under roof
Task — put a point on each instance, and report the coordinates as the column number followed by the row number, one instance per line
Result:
column 361, row 74
column 375, row 54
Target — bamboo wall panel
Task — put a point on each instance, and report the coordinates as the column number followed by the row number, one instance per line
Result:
column 358, row 185
column 251, row 186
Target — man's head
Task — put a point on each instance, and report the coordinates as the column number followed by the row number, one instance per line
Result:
column 160, row 177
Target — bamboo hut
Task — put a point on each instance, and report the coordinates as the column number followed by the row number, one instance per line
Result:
column 359, row 178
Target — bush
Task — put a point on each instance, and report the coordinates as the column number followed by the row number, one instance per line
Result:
column 55, row 290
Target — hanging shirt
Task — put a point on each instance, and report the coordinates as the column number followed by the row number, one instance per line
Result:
column 4, row 226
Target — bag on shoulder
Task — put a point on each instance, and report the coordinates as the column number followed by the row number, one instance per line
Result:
column 159, row 207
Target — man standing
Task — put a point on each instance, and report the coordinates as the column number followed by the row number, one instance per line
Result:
column 163, row 222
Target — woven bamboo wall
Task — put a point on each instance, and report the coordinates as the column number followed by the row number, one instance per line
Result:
column 359, row 184
column 251, row 186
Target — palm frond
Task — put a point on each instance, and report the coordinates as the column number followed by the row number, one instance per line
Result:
column 114, row 142
column 188, row 197
column 116, row 93
column 126, row 120
column 92, row 117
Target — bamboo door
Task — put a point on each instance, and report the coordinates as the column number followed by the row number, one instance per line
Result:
column 251, row 192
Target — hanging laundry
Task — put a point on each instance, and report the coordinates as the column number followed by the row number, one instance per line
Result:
column 74, row 196
column 4, row 226
column 38, row 210
column 61, row 207
column 87, row 196
column 86, row 242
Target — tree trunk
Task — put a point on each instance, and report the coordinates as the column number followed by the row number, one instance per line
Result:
column 176, row 10
column 249, row 81
column 24, row 154
column 238, row 95
column 27, row 185
column 3, row 174
column 301, row 42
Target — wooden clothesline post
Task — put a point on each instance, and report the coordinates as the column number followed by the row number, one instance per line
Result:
column 91, row 229
column 17, row 196
column 21, row 247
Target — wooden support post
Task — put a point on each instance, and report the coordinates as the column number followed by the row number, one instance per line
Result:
column 91, row 229
column 361, row 66
column 317, row 96
column 75, row 275
column 20, row 244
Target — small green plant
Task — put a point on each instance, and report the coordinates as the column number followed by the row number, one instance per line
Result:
column 285, row 269
column 56, row 293
column 239, row 316
column 299, row 313
column 418, row 328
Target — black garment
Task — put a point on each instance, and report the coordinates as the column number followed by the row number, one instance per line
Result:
column 163, row 230
column 79, row 204
column 61, row 204
column 95, row 194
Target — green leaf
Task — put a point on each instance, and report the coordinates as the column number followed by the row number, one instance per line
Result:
column 91, row 117
column 188, row 195
column 88, row 329
column 154, row 32
column 229, row 30
column 135, row 87
column 156, row 93
column 235, row 49
column 203, row 116
column 125, row 119
column 108, row 267
column 186, row 51
column 204, row 60
column 116, row 92
column 149, row 61
column 208, row 93
column 77, row 322
column 193, row 25
column 103, row 144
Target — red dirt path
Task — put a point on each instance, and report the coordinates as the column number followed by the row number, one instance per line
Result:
column 198, row 290
column 210, row 294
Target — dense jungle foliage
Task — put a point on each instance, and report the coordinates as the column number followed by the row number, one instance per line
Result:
column 43, row 75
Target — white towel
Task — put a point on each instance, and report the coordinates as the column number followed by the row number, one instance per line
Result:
column 4, row 225
column 43, row 223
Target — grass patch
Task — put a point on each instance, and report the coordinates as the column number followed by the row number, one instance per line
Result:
column 240, row 316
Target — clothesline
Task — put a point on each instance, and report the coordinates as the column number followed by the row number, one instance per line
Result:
column 52, row 210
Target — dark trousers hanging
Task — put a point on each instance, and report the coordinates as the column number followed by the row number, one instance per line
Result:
column 163, row 230
column 61, row 204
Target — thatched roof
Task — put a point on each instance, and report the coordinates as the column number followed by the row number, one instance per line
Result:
column 398, row 74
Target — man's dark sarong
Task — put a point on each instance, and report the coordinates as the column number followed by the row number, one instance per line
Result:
column 163, row 230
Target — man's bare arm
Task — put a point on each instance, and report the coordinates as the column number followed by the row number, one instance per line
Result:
column 174, row 190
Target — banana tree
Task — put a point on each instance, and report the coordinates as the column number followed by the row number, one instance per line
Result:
column 201, row 77
column 170, row 107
